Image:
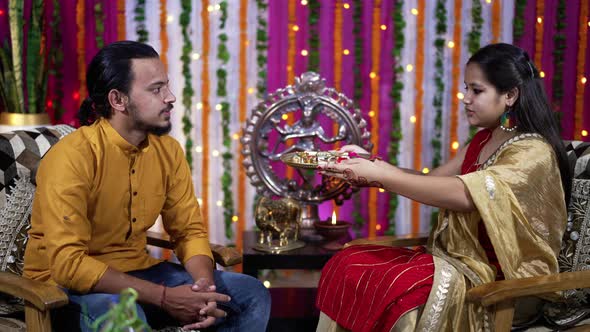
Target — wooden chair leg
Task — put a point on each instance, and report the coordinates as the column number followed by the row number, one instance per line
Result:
column 37, row 320
column 504, row 316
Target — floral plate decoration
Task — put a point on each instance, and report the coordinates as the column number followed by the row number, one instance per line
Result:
column 311, row 159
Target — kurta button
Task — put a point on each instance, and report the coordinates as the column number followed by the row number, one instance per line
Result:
column 134, row 219
column 135, row 193
column 132, row 171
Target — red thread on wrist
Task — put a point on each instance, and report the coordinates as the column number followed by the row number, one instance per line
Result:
column 163, row 297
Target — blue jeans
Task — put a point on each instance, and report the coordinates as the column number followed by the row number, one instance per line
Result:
column 248, row 310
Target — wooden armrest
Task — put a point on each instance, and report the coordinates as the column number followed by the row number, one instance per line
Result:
column 224, row 256
column 407, row 240
column 503, row 290
column 41, row 295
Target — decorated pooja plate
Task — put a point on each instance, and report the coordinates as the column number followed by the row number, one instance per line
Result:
column 311, row 159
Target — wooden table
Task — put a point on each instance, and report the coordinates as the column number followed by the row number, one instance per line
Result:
column 310, row 257
column 293, row 309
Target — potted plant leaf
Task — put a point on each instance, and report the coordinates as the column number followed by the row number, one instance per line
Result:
column 122, row 316
column 23, row 79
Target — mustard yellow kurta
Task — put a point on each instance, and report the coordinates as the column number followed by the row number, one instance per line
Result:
column 96, row 197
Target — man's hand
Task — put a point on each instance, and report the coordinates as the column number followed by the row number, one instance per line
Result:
column 203, row 285
column 186, row 305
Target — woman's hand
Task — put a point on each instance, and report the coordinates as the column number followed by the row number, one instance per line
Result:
column 359, row 172
column 353, row 148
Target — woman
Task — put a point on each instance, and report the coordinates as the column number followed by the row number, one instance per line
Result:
column 502, row 203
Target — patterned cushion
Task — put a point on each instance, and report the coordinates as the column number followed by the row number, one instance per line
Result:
column 20, row 153
column 579, row 154
column 575, row 246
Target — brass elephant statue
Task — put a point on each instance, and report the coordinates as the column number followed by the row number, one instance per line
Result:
column 278, row 221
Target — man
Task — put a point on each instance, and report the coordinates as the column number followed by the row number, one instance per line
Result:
column 100, row 188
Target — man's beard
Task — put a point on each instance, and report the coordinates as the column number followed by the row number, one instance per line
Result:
column 140, row 124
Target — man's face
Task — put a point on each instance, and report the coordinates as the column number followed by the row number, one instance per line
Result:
column 150, row 98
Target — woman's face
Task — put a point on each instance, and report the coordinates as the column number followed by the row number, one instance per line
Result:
column 483, row 104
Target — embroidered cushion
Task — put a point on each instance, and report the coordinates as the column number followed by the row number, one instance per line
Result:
column 20, row 153
column 575, row 246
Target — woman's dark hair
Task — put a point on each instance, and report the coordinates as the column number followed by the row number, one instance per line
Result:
column 506, row 67
column 110, row 69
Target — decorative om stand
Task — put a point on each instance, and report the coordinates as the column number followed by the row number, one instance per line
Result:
column 315, row 112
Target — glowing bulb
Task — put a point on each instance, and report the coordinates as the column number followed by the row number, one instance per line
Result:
column 346, row 51
column 455, row 145
column 413, row 119
column 451, row 44
column 372, row 75
column 583, row 80
column 425, row 170
column 489, row 1
column 219, row 203
column 381, row 190
column 371, row 114
column 170, row 19
column 289, row 68
column 383, row 27
column 198, row 149
column 539, row 20
column 409, row 68
column 542, row 74
column 284, row 117
column 304, row 2
column 378, row 227
column 414, row 11
column 304, row 52
column 584, row 133
column 266, row 283
column 236, row 136
column 333, row 217
column 250, row 90
column 210, row 8
column 347, row 6
column 295, row 28
column 215, row 153
column 460, row 95
column 234, row 218
column 199, row 105
column 217, row 7
column 196, row 56
column 218, row 107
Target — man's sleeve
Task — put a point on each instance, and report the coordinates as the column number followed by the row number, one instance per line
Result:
column 181, row 214
column 64, row 181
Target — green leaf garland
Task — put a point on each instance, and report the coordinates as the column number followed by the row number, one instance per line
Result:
column 518, row 23
column 558, row 55
column 261, row 47
column 399, row 25
column 98, row 20
column 187, row 91
column 139, row 18
column 314, row 36
column 56, row 56
column 437, row 102
column 359, row 221
column 226, row 179
column 474, row 42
